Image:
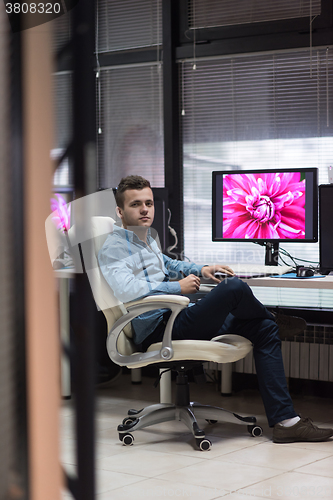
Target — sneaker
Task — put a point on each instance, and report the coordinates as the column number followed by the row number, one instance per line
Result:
column 289, row 326
column 304, row 430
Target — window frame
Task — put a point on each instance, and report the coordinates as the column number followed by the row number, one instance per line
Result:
column 253, row 37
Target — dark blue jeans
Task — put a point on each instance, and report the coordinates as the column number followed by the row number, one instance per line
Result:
column 231, row 307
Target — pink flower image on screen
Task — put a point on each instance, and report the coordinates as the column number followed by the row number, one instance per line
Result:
column 264, row 206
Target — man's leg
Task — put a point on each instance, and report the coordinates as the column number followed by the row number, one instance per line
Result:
column 203, row 320
column 264, row 335
column 232, row 308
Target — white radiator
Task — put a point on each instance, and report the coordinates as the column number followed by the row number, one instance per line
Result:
column 309, row 356
column 301, row 360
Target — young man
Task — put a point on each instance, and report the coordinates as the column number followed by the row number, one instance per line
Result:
column 134, row 267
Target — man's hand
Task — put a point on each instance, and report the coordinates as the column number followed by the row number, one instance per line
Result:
column 190, row 284
column 209, row 271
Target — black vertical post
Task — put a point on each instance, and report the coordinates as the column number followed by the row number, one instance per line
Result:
column 17, row 211
column 84, row 184
column 272, row 253
column 172, row 150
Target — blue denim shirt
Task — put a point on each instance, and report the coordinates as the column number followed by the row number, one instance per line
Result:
column 134, row 270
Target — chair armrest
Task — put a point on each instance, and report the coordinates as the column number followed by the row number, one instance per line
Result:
column 168, row 299
column 173, row 302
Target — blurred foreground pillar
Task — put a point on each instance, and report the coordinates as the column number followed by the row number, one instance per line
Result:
column 41, row 314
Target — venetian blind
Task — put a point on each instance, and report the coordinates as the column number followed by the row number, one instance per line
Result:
column 127, row 24
column 61, row 31
column 203, row 14
column 62, row 91
column 255, row 111
column 130, row 121
column 62, row 101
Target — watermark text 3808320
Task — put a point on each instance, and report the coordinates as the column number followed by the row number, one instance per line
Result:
column 25, row 14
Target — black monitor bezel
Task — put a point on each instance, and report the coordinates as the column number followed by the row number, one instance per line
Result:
column 325, row 265
column 314, row 239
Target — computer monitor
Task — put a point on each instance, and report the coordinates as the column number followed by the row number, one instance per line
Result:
column 266, row 206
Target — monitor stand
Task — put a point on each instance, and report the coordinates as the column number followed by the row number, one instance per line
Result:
column 272, row 253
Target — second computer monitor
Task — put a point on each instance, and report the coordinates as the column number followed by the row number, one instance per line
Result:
column 272, row 205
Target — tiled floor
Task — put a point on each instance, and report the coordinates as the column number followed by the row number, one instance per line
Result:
column 164, row 462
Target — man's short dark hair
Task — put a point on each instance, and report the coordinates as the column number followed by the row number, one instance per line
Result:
column 129, row 182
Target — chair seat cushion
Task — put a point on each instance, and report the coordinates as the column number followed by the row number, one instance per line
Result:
column 222, row 349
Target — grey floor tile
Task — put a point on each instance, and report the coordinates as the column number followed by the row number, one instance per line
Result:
column 165, row 455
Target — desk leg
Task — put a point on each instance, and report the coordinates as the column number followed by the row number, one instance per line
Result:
column 65, row 337
column 226, row 379
column 136, row 376
column 165, row 387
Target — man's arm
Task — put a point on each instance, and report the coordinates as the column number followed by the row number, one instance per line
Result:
column 209, row 271
column 188, row 273
column 178, row 269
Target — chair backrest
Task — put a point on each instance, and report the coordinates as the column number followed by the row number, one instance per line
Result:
column 104, row 297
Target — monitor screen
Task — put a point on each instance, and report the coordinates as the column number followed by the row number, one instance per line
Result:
column 265, row 205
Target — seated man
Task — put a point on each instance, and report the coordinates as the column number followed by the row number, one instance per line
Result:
column 134, row 266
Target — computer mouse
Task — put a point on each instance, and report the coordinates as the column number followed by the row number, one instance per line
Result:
column 304, row 272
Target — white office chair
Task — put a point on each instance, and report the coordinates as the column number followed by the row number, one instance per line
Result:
column 180, row 355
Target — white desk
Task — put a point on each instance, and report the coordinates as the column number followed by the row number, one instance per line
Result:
column 314, row 283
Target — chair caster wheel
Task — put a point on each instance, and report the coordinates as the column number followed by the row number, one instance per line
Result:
column 255, row 430
column 211, row 421
column 204, row 444
column 128, row 420
column 126, row 439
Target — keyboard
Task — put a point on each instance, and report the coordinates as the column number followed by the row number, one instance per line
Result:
column 251, row 271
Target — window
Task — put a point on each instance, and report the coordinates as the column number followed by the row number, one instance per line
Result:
column 62, row 92
column 128, row 24
column 62, row 102
column 130, row 118
column 249, row 111
column 203, row 14
column 129, row 96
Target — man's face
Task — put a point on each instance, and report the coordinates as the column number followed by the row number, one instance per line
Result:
column 138, row 208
